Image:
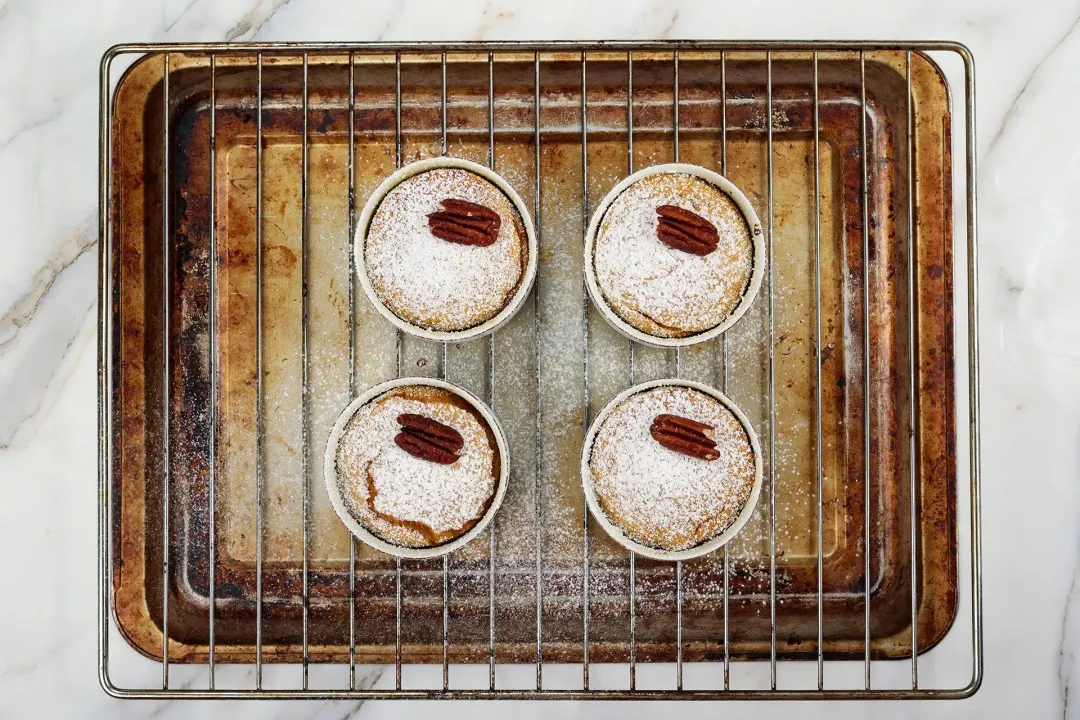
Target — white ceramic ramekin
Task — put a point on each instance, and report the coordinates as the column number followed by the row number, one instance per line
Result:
column 615, row 531
column 368, row 213
column 338, row 501
column 757, row 236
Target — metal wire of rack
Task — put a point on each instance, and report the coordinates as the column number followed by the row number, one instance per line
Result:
column 108, row 290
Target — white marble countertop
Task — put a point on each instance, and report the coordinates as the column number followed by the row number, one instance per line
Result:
column 1029, row 158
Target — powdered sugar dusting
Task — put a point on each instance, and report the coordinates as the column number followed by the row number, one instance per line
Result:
column 659, row 290
column 662, row 498
column 437, row 284
column 416, row 503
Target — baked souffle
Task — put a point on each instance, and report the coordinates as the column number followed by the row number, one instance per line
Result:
column 673, row 255
column 672, row 467
column 417, row 466
column 446, row 250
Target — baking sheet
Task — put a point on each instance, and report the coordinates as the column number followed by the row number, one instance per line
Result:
column 556, row 357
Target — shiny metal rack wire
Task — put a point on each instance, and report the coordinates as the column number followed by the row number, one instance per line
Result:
column 109, row 291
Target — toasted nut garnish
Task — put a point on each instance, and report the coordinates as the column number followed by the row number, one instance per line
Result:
column 682, row 229
column 428, row 439
column 686, row 436
column 465, row 223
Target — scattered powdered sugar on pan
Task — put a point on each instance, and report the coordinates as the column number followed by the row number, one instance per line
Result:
column 433, row 283
column 660, row 290
column 662, row 498
column 406, row 500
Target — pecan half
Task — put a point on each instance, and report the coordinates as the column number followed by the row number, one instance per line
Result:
column 681, row 229
column 686, row 436
column 465, row 223
column 428, row 439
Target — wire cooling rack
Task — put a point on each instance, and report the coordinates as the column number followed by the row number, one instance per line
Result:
column 553, row 680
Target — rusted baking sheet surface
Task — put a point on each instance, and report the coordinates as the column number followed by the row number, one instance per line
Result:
column 705, row 112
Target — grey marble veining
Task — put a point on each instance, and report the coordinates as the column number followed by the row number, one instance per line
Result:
column 1027, row 57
